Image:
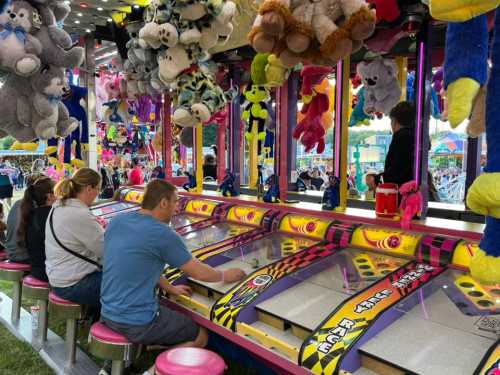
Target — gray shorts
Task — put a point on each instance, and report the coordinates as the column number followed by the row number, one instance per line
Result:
column 168, row 328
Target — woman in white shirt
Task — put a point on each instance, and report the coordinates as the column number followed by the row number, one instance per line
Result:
column 74, row 241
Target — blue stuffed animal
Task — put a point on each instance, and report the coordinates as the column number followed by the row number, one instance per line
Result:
column 331, row 196
column 191, row 184
column 228, row 187
column 272, row 195
column 81, row 134
column 464, row 74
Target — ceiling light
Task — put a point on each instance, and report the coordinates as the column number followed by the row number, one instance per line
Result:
column 77, row 22
column 100, row 9
column 109, row 19
column 79, row 14
column 88, row 31
column 136, row 6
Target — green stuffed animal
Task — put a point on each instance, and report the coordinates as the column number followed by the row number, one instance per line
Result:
column 255, row 112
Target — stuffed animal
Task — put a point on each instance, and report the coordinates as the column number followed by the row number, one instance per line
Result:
column 411, row 203
column 331, row 196
column 309, row 129
column 19, row 50
column 311, row 31
column 53, row 12
column 4, row 4
column 52, row 52
column 382, row 89
column 199, row 97
column 272, row 194
column 471, row 35
column 227, row 187
column 72, row 100
column 191, row 184
column 358, row 115
column 32, row 106
column 186, row 137
column 477, row 122
column 255, row 114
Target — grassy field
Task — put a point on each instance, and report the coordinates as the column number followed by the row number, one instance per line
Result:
column 17, row 357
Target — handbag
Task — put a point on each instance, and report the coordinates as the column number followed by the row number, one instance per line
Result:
column 74, row 253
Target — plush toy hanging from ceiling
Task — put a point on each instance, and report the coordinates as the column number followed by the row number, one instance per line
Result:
column 79, row 136
column 382, row 90
column 255, row 114
column 311, row 32
column 311, row 126
column 468, row 31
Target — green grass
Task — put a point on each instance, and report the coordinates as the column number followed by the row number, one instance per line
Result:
column 17, row 357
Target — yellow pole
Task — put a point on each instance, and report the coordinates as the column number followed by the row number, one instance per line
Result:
column 402, row 63
column 346, row 86
column 199, row 158
column 252, row 149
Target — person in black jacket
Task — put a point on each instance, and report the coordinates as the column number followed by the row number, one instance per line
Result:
column 399, row 161
column 35, row 209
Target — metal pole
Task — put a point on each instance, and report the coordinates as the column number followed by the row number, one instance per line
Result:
column 293, row 87
column 70, row 342
column 198, row 157
column 235, row 130
column 221, row 148
column 282, row 140
column 423, row 95
column 42, row 320
column 89, row 79
column 16, row 301
column 167, row 135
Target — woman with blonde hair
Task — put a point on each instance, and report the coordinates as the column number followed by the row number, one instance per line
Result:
column 74, row 241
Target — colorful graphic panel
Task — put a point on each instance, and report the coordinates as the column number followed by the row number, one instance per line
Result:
column 200, row 207
column 324, row 350
column 389, row 240
column 304, row 226
column 247, row 215
column 227, row 308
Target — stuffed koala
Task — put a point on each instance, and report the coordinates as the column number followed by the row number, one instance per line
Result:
column 42, row 106
column 382, row 89
column 19, row 50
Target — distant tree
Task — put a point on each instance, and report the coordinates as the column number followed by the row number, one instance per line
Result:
column 210, row 135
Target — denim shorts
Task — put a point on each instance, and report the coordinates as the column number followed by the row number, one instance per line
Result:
column 85, row 292
column 168, row 328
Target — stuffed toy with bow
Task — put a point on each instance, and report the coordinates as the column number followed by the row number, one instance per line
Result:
column 468, row 31
column 310, row 130
column 411, row 203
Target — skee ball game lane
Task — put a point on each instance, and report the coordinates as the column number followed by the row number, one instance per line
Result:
column 290, row 235
column 128, row 200
column 447, row 328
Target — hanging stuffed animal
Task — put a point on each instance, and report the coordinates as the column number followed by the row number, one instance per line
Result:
column 255, row 114
column 79, row 136
column 358, row 115
column 463, row 78
column 382, row 89
column 309, row 129
column 323, row 31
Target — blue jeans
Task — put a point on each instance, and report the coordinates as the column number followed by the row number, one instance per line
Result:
column 85, row 292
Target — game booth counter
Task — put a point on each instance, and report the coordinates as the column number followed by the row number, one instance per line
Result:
column 327, row 292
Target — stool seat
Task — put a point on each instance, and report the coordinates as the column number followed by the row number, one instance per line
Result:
column 33, row 282
column 56, row 300
column 102, row 332
column 189, row 361
column 13, row 266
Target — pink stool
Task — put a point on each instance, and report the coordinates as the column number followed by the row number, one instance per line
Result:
column 189, row 361
column 14, row 272
column 108, row 344
column 38, row 290
column 70, row 311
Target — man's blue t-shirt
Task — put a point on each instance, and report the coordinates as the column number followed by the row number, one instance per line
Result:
column 136, row 249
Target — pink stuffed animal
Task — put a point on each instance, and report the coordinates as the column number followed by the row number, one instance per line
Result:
column 411, row 203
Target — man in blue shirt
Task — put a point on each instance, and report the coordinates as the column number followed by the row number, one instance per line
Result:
column 137, row 246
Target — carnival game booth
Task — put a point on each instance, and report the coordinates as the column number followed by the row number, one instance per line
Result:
column 324, row 295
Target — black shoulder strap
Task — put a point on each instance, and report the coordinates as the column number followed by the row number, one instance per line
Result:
column 74, row 253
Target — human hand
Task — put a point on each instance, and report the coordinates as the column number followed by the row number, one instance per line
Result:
column 233, row 274
column 179, row 290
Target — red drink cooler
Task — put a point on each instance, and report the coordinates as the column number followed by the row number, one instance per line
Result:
column 386, row 200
